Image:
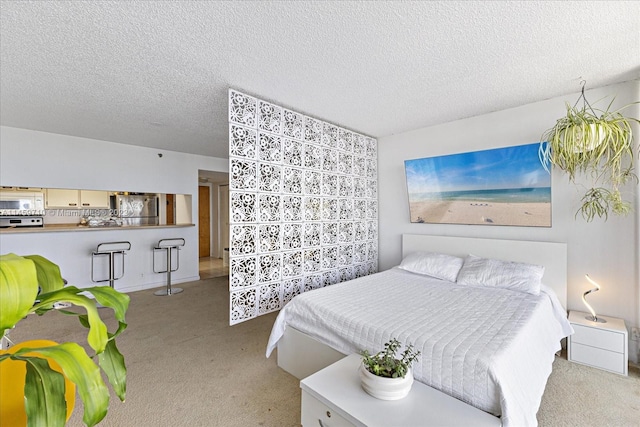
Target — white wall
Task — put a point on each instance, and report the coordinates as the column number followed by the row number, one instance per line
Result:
column 607, row 251
column 40, row 159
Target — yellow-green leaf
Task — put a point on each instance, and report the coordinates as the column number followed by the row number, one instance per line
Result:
column 97, row 336
column 84, row 373
column 44, row 399
column 49, row 277
column 109, row 297
column 112, row 363
column 18, row 289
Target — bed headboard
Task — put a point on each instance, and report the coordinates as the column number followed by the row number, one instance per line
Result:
column 553, row 256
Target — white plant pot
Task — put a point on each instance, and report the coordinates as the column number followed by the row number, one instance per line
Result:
column 386, row 388
column 597, row 137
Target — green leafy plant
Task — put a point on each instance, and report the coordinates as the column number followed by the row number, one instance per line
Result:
column 386, row 363
column 598, row 143
column 33, row 284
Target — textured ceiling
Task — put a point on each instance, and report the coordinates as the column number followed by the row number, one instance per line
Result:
column 156, row 74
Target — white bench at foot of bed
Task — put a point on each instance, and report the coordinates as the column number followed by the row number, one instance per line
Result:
column 334, row 397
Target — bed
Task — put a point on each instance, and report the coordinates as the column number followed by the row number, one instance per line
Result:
column 490, row 347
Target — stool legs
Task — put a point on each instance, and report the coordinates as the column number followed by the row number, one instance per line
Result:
column 112, row 273
column 169, row 290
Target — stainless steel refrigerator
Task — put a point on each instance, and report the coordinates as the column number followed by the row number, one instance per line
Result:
column 138, row 209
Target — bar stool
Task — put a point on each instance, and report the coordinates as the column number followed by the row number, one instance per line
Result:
column 110, row 249
column 168, row 245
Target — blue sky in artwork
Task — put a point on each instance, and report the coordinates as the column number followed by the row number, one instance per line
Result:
column 501, row 168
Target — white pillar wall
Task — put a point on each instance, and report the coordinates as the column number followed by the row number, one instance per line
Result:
column 303, row 205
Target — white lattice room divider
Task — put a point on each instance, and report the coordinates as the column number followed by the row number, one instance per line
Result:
column 303, row 205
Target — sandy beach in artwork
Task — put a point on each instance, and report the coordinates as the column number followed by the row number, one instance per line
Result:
column 481, row 212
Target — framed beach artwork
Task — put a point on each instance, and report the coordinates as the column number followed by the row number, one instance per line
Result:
column 503, row 186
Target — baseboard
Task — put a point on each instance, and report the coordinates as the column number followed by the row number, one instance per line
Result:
column 158, row 284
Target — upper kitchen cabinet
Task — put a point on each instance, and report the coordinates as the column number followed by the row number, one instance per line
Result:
column 23, row 189
column 94, row 199
column 62, row 198
column 58, row 198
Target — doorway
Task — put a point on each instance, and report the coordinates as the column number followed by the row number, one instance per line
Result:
column 213, row 223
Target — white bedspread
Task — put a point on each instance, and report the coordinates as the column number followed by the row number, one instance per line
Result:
column 492, row 348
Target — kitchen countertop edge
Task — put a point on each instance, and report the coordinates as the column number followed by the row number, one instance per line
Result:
column 56, row 228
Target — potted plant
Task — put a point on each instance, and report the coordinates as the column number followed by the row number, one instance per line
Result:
column 33, row 284
column 387, row 375
column 598, row 143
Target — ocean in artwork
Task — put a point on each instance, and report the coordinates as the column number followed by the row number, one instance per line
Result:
column 504, row 195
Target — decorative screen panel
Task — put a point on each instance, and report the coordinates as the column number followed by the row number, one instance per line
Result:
column 304, row 208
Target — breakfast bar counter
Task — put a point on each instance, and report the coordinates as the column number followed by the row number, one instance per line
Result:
column 72, row 248
column 56, row 228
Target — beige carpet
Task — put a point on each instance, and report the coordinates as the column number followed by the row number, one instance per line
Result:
column 188, row 367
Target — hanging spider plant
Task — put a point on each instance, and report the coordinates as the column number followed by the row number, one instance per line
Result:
column 598, row 143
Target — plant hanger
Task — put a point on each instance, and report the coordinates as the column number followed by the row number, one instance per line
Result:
column 585, row 103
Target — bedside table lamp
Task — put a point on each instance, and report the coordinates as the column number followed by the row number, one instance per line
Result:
column 593, row 316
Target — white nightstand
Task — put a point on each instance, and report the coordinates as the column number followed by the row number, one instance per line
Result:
column 601, row 345
column 333, row 397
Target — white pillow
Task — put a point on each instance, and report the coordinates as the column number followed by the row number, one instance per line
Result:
column 495, row 273
column 440, row 266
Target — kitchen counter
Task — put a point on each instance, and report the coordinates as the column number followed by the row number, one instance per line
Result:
column 56, row 228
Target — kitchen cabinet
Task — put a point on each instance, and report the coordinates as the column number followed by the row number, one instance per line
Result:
column 62, row 198
column 23, row 189
column 58, row 198
column 94, row 199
